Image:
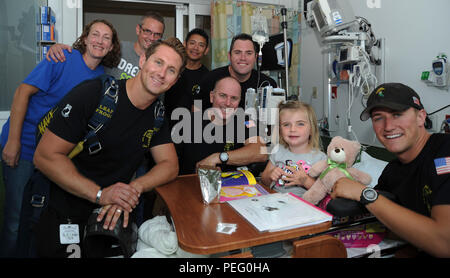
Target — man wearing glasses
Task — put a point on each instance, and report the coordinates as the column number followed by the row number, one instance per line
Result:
column 148, row 30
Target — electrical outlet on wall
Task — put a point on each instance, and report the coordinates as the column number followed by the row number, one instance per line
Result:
column 314, row 92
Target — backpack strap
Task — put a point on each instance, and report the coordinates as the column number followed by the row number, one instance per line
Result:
column 103, row 113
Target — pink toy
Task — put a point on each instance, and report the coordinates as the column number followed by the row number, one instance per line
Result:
column 342, row 154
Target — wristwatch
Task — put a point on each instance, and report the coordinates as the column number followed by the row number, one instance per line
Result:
column 223, row 157
column 368, row 195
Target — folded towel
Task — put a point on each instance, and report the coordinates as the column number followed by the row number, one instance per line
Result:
column 157, row 239
column 158, row 233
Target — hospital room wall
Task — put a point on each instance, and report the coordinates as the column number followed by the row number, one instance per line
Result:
column 415, row 32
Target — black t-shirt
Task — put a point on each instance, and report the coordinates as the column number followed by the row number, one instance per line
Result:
column 206, row 138
column 209, row 80
column 181, row 94
column 418, row 185
column 125, row 139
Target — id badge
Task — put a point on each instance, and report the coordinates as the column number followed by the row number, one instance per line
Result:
column 69, row 233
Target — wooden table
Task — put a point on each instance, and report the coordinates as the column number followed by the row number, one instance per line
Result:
column 196, row 222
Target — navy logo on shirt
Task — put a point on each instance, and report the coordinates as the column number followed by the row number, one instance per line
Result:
column 195, row 89
column 147, row 137
column 45, row 121
column 229, row 146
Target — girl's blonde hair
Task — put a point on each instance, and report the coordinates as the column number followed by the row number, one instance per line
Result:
column 314, row 138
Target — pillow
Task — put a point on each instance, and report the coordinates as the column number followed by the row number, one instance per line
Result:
column 372, row 166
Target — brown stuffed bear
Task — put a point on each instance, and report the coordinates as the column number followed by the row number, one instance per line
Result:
column 341, row 156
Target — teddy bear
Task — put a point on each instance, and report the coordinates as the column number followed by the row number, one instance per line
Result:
column 342, row 154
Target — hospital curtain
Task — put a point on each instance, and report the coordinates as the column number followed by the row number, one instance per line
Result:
column 231, row 17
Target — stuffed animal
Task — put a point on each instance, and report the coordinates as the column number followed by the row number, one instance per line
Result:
column 342, row 154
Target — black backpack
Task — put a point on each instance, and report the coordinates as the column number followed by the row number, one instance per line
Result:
column 37, row 190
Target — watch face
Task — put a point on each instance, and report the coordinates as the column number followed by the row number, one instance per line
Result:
column 223, row 157
column 370, row 194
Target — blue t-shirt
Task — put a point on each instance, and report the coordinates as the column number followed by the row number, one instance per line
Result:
column 54, row 81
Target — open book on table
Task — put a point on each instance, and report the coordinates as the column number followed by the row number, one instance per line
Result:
column 238, row 185
column 279, row 211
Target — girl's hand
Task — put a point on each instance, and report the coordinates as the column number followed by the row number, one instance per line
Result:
column 276, row 174
column 298, row 177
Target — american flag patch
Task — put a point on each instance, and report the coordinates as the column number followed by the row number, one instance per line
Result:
column 442, row 165
column 250, row 124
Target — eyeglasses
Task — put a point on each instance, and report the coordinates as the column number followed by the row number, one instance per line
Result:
column 149, row 32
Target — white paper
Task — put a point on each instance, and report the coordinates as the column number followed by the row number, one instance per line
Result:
column 279, row 211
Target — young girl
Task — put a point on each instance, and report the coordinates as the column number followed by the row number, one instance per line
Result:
column 299, row 149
